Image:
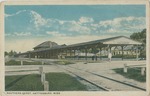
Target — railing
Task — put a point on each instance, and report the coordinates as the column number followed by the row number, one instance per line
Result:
column 40, row 70
column 141, row 66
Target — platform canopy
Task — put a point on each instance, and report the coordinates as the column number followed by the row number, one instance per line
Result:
column 114, row 41
column 121, row 40
column 107, row 43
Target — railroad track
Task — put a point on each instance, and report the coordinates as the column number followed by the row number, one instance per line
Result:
column 94, row 84
column 110, row 84
column 112, row 79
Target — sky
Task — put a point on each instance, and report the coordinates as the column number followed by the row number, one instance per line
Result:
column 27, row 26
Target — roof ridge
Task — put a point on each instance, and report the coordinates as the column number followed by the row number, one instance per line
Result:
column 46, row 44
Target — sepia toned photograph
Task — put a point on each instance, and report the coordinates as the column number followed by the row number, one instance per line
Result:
column 75, row 47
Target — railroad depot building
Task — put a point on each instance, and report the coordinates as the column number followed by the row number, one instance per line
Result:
column 120, row 45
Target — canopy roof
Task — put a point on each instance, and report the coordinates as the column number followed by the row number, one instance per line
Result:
column 46, row 44
column 119, row 40
column 113, row 41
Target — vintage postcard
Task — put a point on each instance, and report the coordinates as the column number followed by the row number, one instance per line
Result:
column 71, row 48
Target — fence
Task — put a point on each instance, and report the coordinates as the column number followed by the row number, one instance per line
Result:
column 141, row 66
column 40, row 70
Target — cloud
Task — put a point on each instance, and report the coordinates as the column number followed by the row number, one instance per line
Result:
column 74, row 27
column 37, row 24
column 56, row 24
column 22, row 33
column 123, row 24
column 85, row 20
column 8, row 34
column 61, row 22
column 37, row 19
column 19, row 12
column 55, row 33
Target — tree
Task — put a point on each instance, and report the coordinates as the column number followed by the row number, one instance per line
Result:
column 6, row 53
column 141, row 37
column 11, row 53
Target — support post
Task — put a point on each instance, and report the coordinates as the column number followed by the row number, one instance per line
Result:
column 110, row 49
column 29, row 56
column 70, row 52
column 122, row 51
column 49, row 54
column 42, row 62
column 37, row 55
column 105, row 48
column 100, row 49
column 74, row 54
column 43, row 78
column 45, row 55
column 125, row 69
column 86, row 53
column 78, row 53
column 66, row 53
column 143, row 71
column 46, row 86
column 137, row 55
column 21, row 62
column 41, row 70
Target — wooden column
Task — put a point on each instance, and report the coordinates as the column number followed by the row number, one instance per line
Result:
column 55, row 56
column 100, row 49
column 66, row 52
column 37, row 55
column 105, row 51
column 41, row 54
column 122, row 51
column 45, row 54
column 85, row 53
column 29, row 55
column 74, row 54
column 70, row 52
column 49, row 54
column 110, row 49
column 78, row 53
column 137, row 55
column 60, row 53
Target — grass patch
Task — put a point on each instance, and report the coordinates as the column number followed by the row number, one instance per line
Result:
column 32, row 63
column 14, row 62
column 98, row 61
column 64, row 62
column 131, row 74
column 24, row 83
column 64, row 82
column 57, row 82
column 11, row 79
